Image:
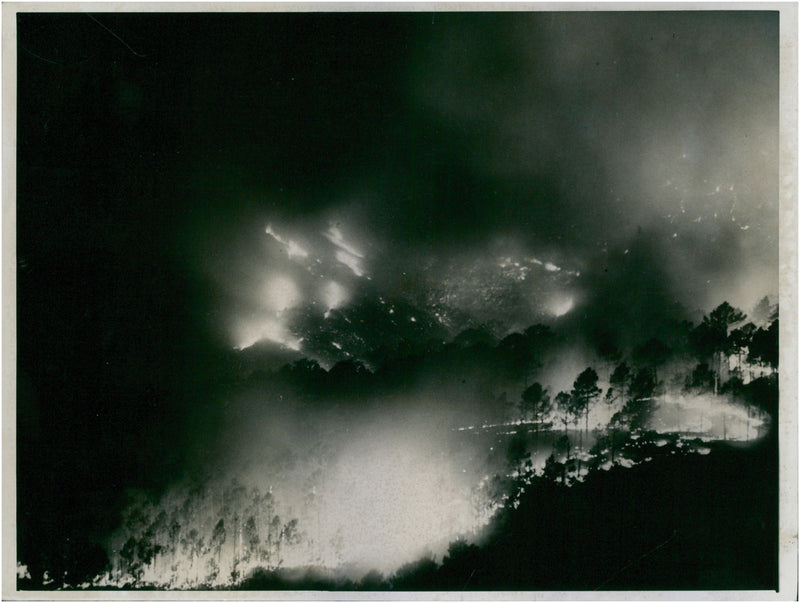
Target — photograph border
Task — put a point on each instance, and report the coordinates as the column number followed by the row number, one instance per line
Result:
column 788, row 277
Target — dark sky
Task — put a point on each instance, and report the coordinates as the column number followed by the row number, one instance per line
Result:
column 464, row 168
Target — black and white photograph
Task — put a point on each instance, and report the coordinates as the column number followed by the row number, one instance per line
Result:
column 367, row 300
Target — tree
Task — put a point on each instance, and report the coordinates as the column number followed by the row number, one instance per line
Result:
column 562, row 445
column 564, row 403
column 535, row 400
column 128, row 555
column 189, row 548
column 290, row 534
column 709, row 339
column 553, row 469
column 764, row 346
column 217, row 540
column 617, row 423
column 703, row 342
column 618, row 383
column 174, row 536
column 199, row 551
column 252, row 539
column 474, row 336
column 739, row 340
column 701, row 378
column 640, row 392
column 723, row 316
column 584, row 391
column 273, row 541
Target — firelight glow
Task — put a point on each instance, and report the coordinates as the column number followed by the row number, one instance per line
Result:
column 561, row 306
column 250, row 332
column 372, row 238
column 351, row 261
column 365, row 494
column 281, row 293
column 293, row 249
column 376, row 489
column 334, row 296
column 334, row 235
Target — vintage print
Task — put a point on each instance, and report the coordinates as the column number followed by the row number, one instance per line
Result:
column 397, row 300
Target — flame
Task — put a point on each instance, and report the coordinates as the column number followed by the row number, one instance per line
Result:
column 293, row 249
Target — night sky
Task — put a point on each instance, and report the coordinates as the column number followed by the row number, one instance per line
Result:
column 198, row 193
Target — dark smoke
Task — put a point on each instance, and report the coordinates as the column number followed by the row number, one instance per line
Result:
column 608, row 174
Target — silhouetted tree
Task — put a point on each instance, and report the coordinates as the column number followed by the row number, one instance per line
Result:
column 273, row 541
column 417, row 575
column 640, row 392
column 618, row 383
column 290, row 533
column 128, row 555
column 564, row 405
column 561, row 445
column 584, row 391
column 217, row 540
column 619, row 422
column 553, row 469
column 710, row 338
column 702, row 377
column 739, row 340
column 764, row 346
column 536, row 401
column 251, row 537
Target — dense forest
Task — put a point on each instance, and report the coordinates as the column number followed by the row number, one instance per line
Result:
column 632, row 478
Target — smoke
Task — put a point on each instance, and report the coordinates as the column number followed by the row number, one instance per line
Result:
column 373, row 477
column 349, row 187
column 637, row 150
column 575, row 132
column 357, row 483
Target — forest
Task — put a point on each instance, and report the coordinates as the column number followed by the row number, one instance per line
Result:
column 397, row 300
column 656, row 469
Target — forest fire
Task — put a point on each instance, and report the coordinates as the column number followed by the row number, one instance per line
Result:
column 370, row 498
column 374, row 497
column 399, row 300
